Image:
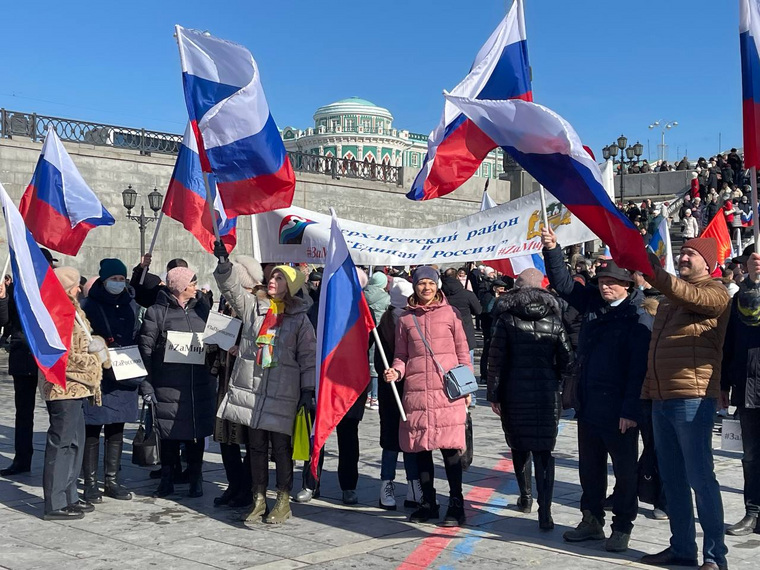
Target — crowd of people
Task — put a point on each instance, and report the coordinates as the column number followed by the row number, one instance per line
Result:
column 651, row 356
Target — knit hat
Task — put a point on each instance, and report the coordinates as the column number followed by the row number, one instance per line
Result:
column 247, row 271
column 425, row 272
column 530, row 277
column 68, row 277
column 110, row 267
column 178, row 279
column 707, row 247
column 293, row 276
column 379, row 279
column 400, row 292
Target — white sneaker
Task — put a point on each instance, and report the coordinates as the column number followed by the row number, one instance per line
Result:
column 387, row 495
column 413, row 494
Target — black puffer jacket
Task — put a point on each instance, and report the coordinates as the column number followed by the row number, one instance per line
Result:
column 185, row 394
column 741, row 349
column 20, row 358
column 529, row 353
column 464, row 301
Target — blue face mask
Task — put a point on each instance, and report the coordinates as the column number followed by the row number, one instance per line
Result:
column 115, row 287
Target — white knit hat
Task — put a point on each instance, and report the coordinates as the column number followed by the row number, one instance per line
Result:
column 247, row 271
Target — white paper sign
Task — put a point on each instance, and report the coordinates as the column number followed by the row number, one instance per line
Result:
column 127, row 363
column 731, row 438
column 184, row 348
column 221, row 330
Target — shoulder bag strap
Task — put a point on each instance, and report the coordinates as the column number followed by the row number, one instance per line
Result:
column 424, row 340
column 106, row 323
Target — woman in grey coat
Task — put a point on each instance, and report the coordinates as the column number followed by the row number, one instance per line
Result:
column 273, row 377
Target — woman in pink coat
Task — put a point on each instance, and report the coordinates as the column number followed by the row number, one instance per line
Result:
column 434, row 421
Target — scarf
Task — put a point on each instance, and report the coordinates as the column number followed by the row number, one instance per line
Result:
column 268, row 334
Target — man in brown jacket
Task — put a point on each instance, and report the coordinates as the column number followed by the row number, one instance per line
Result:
column 683, row 382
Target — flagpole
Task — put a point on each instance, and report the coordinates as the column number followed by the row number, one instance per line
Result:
column 543, row 207
column 755, row 221
column 84, row 327
column 7, row 264
column 152, row 245
column 387, row 366
column 211, row 207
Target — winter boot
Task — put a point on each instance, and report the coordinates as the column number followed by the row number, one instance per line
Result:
column 525, row 502
column 112, row 463
column 746, row 526
column 243, row 498
column 387, row 495
column 259, row 508
column 429, row 508
column 224, row 499
column 455, row 513
column 617, row 542
column 413, row 494
column 166, row 486
column 90, row 470
column 281, row 511
column 545, row 491
column 590, row 528
column 195, row 477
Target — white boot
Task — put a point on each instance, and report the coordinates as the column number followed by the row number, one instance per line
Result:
column 413, row 494
column 387, row 495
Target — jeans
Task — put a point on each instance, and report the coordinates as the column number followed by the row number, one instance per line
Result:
column 372, row 392
column 594, row 444
column 750, row 422
column 388, row 466
column 64, row 452
column 683, row 436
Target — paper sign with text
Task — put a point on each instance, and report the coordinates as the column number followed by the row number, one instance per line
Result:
column 221, row 330
column 127, row 363
column 731, row 438
column 184, row 348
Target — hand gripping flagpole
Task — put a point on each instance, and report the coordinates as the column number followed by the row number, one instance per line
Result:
column 387, row 366
column 544, row 215
column 152, row 244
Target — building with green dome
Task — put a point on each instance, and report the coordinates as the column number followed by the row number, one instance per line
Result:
column 358, row 130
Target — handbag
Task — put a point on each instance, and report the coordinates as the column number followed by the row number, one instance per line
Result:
column 649, row 483
column 457, row 382
column 146, row 446
column 468, row 453
column 570, row 382
column 302, row 435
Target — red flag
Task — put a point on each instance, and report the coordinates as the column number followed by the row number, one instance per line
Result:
column 718, row 230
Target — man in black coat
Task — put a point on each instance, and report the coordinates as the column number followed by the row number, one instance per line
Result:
column 740, row 379
column 611, row 364
column 464, row 301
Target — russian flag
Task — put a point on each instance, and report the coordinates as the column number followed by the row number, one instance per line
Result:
column 44, row 309
column 749, row 36
column 457, row 147
column 660, row 245
column 238, row 139
column 343, row 328
column 186, row 199
column 548, row 147
column 58, row 206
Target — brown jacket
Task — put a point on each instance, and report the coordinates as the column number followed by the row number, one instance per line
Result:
column 83, row 370
column 686, row 349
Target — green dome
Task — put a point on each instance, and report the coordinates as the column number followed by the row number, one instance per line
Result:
column 352, row 106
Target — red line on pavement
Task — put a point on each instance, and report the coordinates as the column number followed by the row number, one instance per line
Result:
column 429, row 549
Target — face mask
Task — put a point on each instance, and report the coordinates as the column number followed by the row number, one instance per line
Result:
column 115, row 287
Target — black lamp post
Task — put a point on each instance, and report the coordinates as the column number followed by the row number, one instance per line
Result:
column 626, row 152
column 155, row 201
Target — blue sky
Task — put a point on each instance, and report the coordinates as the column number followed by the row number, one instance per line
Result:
column 607, row 67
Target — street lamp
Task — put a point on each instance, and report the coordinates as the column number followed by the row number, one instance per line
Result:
column 632, row 153
column 155, row 200
column 664, row 126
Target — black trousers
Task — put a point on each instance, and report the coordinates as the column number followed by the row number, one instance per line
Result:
column 750, row 422
column 112, row 431
column 348, row 457
column 24, row 394
column 647, row 438
column 236, row 467
column 453, row 466
column 594, row 444
column 193, row 452
column 258, row 451
column 64, row 451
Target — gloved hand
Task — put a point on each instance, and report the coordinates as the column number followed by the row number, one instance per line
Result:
column 149, row 399
column 220, row 251
column 306, row 397
column 98, row 347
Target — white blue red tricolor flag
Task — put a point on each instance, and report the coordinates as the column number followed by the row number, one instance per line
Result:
column 186, row 199
column 45, row 311
column 548, row 147
column 457, row 147
column 660, row 245
column 343, row 328
column 59, row 208
column 237, row 137
column 749, row 40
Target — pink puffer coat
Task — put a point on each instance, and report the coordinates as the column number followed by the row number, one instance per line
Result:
column 434, row 421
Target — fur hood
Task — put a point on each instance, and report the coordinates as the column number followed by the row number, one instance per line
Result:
column 527, row 303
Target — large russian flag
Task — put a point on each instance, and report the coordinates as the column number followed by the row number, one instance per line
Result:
column 548, row 147
column 344, row 325
column 58, row 206
column 238, row 139
column 45, row 311
column 749, row 36
column 186, row 199
column 457, row 147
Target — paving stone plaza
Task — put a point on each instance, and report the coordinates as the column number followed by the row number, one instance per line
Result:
column 189, row 534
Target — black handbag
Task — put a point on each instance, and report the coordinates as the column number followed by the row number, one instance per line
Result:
column 467, row 454
column 146, row 448
column 649, row 483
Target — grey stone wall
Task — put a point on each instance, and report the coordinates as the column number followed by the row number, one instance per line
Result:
column 108, row 171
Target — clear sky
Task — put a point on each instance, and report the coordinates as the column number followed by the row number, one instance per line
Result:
column 607, row 67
